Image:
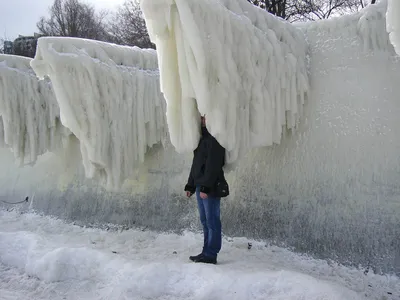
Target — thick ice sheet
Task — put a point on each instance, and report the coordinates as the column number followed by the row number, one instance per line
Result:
column 240, row 66
column 29, row 114
column 109, row 97
column 369, row 25
column 393, row 23
column 70, row 262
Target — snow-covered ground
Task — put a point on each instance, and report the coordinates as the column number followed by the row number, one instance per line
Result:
column 45, row 258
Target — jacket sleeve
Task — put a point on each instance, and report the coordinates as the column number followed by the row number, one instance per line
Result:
column 189, row 187
column 213, row 167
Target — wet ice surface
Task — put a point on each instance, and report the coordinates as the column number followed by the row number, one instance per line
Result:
column 45, row 258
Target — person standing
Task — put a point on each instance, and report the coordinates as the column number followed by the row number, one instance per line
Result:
column 207, row 181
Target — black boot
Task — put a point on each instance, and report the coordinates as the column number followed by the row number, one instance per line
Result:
column 207, row 260
column 196, row 258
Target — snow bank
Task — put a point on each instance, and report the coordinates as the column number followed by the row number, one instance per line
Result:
column 109, row 98
column 242, row 67
column 29, row 113
column 77, row 263
column 393, row 23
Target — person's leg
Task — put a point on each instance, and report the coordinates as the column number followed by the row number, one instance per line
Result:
column 203, row 219
column 212, row 211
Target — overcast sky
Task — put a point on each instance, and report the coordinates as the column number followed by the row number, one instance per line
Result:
column 20, row 16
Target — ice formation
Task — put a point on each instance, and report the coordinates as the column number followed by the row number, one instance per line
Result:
column 366, row 24
column 245, row 69
column 393, row 23
column 29, row 114
column 2, row 143
column 109, row 97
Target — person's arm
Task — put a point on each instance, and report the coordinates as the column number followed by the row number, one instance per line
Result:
column 189, row 187
column 214, row 163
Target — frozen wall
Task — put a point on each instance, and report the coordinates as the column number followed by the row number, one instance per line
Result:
column 109, row 98
column 329, row 189
column 333, row 187
column 244, row 69
column 393, row 23
column 29, row 114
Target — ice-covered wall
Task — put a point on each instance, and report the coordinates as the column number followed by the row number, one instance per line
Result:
column 241, row 67
column 2, row 143
column 109, row 97
column 331, row 189
column 393, row 23
column 29, row 114
column 368, row 25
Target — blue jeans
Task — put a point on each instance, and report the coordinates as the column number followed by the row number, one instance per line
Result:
column 209, row 210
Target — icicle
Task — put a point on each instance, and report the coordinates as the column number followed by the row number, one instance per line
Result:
column 109, row 97
column 393, row 23
column 28, row 110
column 219, row 58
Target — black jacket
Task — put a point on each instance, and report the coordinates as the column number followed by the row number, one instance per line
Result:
column 208, row 160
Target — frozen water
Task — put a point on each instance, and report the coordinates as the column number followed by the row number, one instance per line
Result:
column 48, row 259
column 29, row 114
column 393, row 23
column 243, row 68
column 109, row 97
column 331, row 189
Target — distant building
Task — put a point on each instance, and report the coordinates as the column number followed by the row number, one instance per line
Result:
column 8, row 47
column 23, row 46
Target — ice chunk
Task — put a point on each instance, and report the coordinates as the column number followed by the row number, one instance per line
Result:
column 109, row 97
column 393, row 23
column 29, row 113
column 239, row 65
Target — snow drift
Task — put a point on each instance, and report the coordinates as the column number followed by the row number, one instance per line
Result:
column 109, row 98
column 29, row 113
column 239, row 65
column 393, row 23
column 72, row 262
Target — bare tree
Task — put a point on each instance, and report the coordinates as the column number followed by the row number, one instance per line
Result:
column 275, row 7
column 321, row 9
column 310, row 10
column 357, row 5
column 75, row 19
column 128, row 26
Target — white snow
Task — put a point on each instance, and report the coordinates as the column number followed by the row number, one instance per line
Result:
column 44, row 258
column 367, row 24
column 393, row 23
column 240, row 66
column 29, row 113
column 109, row 97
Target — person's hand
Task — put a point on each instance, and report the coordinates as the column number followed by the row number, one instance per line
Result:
column 203, row 195
column 189, row 194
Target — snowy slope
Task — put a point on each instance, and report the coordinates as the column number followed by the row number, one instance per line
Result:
column 47, row 259
column 109, row 98
column 242, row 67
column 393, row 23
column 30, row 122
